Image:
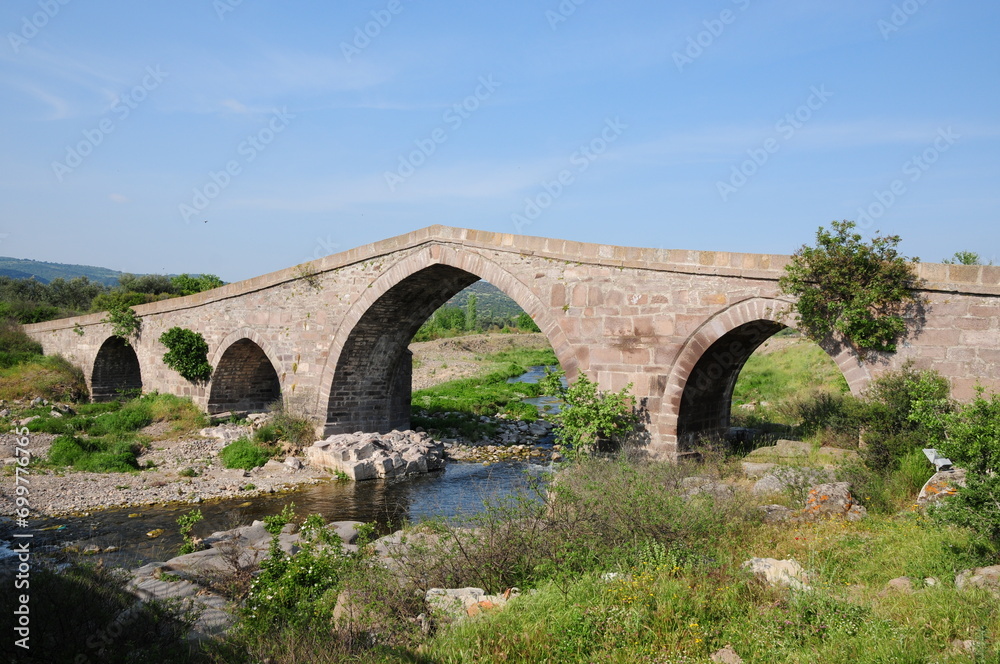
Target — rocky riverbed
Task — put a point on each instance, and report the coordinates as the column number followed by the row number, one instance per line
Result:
column 189, row 470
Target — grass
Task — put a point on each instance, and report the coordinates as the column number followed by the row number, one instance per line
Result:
column 774, row 381
column 50, row 377
column 104, row 437
column 488, row 393
column 679, row 591
column 244, row 453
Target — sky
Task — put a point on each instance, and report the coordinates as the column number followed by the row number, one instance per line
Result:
column 239, row 137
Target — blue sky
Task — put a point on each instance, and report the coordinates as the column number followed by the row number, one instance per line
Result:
column 299, row 129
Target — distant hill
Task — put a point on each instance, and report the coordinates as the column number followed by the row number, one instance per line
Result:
column 24, row 268
column 491, row 302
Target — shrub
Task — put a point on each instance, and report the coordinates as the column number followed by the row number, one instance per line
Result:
column 186, row 523
column 892, row 403
column 590, row 415
column 187, row 353
column 243, row 453
column 971, row 439
column 125, row 323
column 846, row 287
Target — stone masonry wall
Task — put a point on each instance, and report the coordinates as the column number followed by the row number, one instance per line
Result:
column 335, row 330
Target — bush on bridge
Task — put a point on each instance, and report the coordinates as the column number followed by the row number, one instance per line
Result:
column 848, row 289
column 187, row 353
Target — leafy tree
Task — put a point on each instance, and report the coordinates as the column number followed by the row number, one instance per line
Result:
column 965, row 258
column 851, row 290
column 525, row 322
column 185, row 284
column 187, row 353
column 471, row 318
column 590, row 415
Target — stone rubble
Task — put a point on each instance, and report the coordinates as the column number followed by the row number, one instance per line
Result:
column 368, row 456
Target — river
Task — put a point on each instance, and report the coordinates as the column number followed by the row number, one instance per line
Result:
column 461, row 489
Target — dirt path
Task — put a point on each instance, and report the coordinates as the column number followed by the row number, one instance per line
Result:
column 442, row 360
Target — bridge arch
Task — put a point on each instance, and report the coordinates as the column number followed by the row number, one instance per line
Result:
column 365, row 384
column 116, row 370
column 698, row 396
column 245, row 374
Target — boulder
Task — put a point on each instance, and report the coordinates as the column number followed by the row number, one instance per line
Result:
column 779, row 573
column 987, row 578
column 707, row 486
column 942, row 484
column 780, row 478
column 901, row 584
column 755, row 471
column 775, row 513
column 781, row 450
column 366, row 456
column 726, row 656
column 833, row 500
column 459, row 603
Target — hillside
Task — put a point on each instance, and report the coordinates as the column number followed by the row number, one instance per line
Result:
column 491, row 302
column 44, row 272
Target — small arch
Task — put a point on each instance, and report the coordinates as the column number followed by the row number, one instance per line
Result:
column 244, row 379
column 116, row 371
column 698, row 396
column 366, row 380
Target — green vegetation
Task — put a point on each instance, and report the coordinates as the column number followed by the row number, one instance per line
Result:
column 185, row 523
column 25, row 373
column 187, row 353
column 799, row 370
column 965, row 258
column 851, row 290
column 487, row 394
column 969, row 435
column 125, row 323
column 28, row 300
column 616, row 564
column 481, row 307
column 244, row 453
column 590, row 416
column 104, row 437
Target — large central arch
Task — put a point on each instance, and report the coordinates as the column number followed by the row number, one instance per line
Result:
column 698, row 396
column 366, row 381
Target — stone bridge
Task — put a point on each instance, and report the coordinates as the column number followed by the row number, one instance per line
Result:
column 330, row 337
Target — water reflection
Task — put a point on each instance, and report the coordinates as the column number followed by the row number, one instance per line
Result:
column 460, row 489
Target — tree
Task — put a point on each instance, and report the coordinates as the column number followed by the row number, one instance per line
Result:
column 965, row 258
column 525, row 322
column 471, row 317
column 850, row 290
